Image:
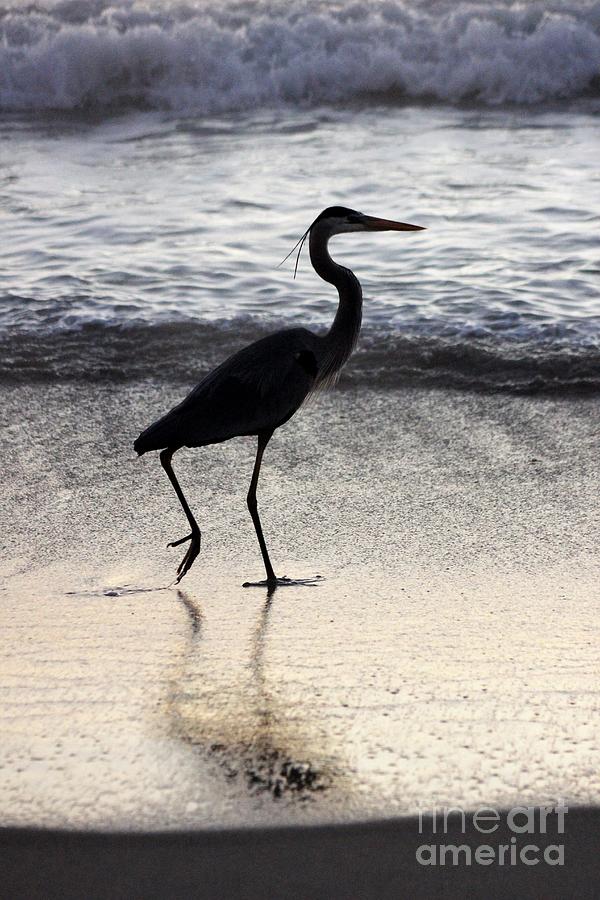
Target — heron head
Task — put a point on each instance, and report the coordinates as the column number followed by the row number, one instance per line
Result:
column 340, row 219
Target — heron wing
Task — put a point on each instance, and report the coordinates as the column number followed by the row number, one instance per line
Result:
column 257, row 389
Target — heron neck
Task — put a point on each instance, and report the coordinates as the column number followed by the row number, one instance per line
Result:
column 340, row 340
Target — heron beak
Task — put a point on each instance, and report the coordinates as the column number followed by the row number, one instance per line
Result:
column 374, row 224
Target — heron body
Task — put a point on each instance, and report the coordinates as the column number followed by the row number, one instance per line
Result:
column 265, row 383
column 260, row 388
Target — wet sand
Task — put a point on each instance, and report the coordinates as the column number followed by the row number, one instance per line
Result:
column 448, row 656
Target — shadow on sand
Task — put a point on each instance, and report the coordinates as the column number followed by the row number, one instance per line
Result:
column 230, row 712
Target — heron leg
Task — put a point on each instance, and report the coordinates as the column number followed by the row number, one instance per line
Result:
column 194, row 549
column 263, row 440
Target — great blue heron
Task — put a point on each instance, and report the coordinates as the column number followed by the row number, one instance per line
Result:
column 259, row 388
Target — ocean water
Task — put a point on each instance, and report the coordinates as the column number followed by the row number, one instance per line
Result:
column 158, row 160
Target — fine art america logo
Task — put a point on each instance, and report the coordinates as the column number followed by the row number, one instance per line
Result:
column 517, row 845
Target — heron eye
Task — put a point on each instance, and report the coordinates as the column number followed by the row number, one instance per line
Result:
column 353, row 220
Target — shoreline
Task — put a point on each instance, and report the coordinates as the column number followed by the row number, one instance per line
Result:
column 182, row 352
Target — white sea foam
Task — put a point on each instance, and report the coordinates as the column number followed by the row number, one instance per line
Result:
column 212, row 58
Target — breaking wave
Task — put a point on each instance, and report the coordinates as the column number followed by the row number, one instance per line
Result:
column 214, row 58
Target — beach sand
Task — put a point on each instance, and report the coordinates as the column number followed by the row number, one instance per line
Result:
column 447, row 656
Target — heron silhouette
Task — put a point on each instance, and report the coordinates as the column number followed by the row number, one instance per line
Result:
column 260, row 388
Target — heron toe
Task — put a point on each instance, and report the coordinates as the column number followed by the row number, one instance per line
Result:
column 188, row 560
column 284, row 581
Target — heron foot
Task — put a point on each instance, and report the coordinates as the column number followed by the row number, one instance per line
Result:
column 284, row 581
column 182, row 540
column 192, row 552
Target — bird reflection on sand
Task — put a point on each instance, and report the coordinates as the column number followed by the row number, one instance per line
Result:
column 230, row 712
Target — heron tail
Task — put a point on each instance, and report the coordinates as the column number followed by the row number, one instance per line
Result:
column 162, row 433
